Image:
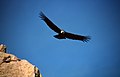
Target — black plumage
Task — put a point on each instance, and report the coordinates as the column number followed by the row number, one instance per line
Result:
column 61, row 33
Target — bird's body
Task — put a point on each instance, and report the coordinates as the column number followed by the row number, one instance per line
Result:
column 61, row 33
column 60, row 36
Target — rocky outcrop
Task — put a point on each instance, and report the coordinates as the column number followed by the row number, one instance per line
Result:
column 11, row 66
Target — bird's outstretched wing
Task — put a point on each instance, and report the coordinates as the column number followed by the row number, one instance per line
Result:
column 49, row 23
column 77, row 37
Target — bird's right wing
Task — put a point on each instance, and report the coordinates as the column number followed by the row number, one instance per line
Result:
column 77, row 37
column 50, row 23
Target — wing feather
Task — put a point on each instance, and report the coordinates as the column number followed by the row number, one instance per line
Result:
column 50, row 23
column 77, row 37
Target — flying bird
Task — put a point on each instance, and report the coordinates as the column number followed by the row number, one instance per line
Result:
column 61, row 33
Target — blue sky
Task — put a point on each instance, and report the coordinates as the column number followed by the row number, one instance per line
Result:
column 28, row 37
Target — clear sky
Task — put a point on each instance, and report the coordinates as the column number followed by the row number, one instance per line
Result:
column 28, row 37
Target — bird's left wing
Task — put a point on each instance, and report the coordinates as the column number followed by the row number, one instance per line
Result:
column 77, row 37
column 50, row 23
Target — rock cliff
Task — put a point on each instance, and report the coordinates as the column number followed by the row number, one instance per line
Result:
column 11, row 66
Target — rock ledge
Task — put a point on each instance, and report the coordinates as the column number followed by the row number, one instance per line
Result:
column 11, row 66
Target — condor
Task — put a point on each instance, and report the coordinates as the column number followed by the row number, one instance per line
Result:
column 61, row 33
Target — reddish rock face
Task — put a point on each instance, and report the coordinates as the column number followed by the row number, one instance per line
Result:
column 11, row 66
column 2, row 48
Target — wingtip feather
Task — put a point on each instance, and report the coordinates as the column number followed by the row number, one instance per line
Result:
column 42, row 16
column 86, row 38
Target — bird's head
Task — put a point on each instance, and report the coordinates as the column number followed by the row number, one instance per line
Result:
column 62, row 31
